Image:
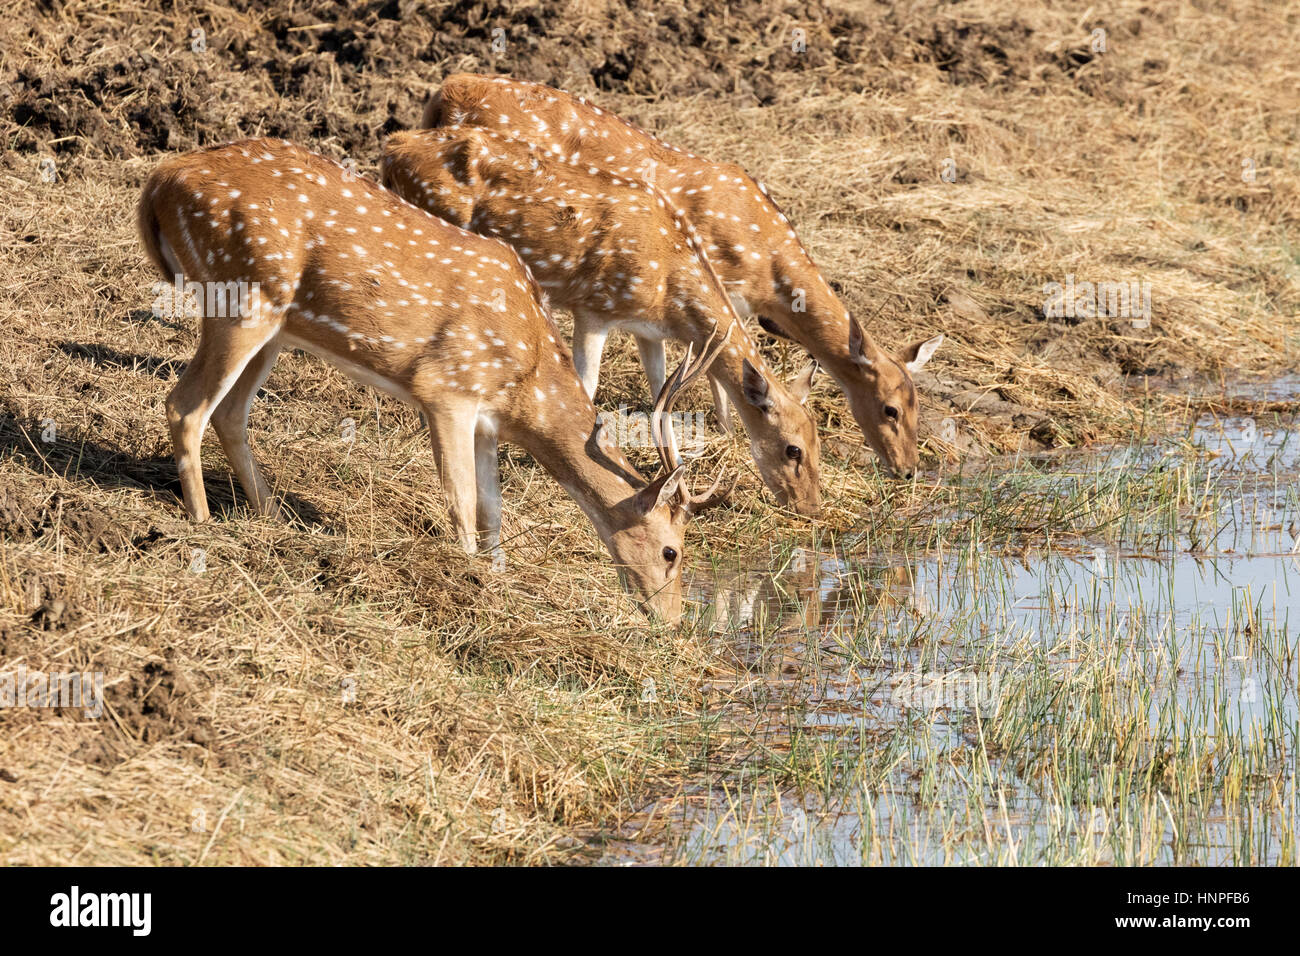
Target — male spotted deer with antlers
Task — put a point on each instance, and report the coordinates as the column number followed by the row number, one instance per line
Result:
column 615, row 252
column 752, row 244
column 449, row 321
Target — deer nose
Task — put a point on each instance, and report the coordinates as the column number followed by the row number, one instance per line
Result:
column 807, row 508
column 907, row 474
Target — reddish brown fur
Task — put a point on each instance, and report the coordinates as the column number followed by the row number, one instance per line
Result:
column 613, row 250
column 448, row 320
column 749, row 239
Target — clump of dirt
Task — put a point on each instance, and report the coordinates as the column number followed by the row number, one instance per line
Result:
column 17, row 519
column 58, row 604
column 97, row 751
column 157, row 703
column 57, row 613
column 16, row 642
column 27, row 519
column 350, row 73
column 984, row 52
column 152, row 705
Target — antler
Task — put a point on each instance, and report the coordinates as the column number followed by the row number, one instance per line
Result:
column 661, row 426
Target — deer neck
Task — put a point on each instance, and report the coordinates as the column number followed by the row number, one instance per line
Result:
column 729, row 367
column 564, row 439
column 803, row 304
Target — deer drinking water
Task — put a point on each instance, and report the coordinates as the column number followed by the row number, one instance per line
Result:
column 750, row 241
column 615, row 252
column 448, row 321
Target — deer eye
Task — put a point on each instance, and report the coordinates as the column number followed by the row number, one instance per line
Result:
column 891, row 411
column 670, row 555
column 793, row 452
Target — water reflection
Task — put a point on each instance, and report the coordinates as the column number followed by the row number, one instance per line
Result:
column 1192, row 638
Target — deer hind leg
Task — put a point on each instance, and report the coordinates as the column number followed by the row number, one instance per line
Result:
column 721, row 405
column 231, row 422
column 452, row 430
column 226, row 348
column 654, row 363
column 589, row 337
column 487, row 473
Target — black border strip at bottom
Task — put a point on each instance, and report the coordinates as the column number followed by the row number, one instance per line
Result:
column 335, row 907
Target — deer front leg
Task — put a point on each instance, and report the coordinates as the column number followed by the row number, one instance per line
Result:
column 488, row 478
column 231, row 422
column 589, row 337
column 721, row 405
column 452, row 432
column 226, row 348
column 653, row 361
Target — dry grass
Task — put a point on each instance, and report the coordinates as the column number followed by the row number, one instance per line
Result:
column 499, row 717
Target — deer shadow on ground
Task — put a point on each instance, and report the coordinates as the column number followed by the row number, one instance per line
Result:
column 78, row 457
column 145, row 316
column 105, row 356
column 46, row 448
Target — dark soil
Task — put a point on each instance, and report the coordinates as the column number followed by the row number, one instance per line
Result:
column 348, row 74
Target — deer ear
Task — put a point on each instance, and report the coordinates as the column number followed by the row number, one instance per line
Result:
column 664, row 490
column 921, row 352
column 740, row 304
column 772, row 329
column 754, row 387
column 600, row 434
column 857, row 344
column 802, row 383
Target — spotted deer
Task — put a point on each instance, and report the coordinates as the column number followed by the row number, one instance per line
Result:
column 451, row 322
column 615, row 252
column 750, row 241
